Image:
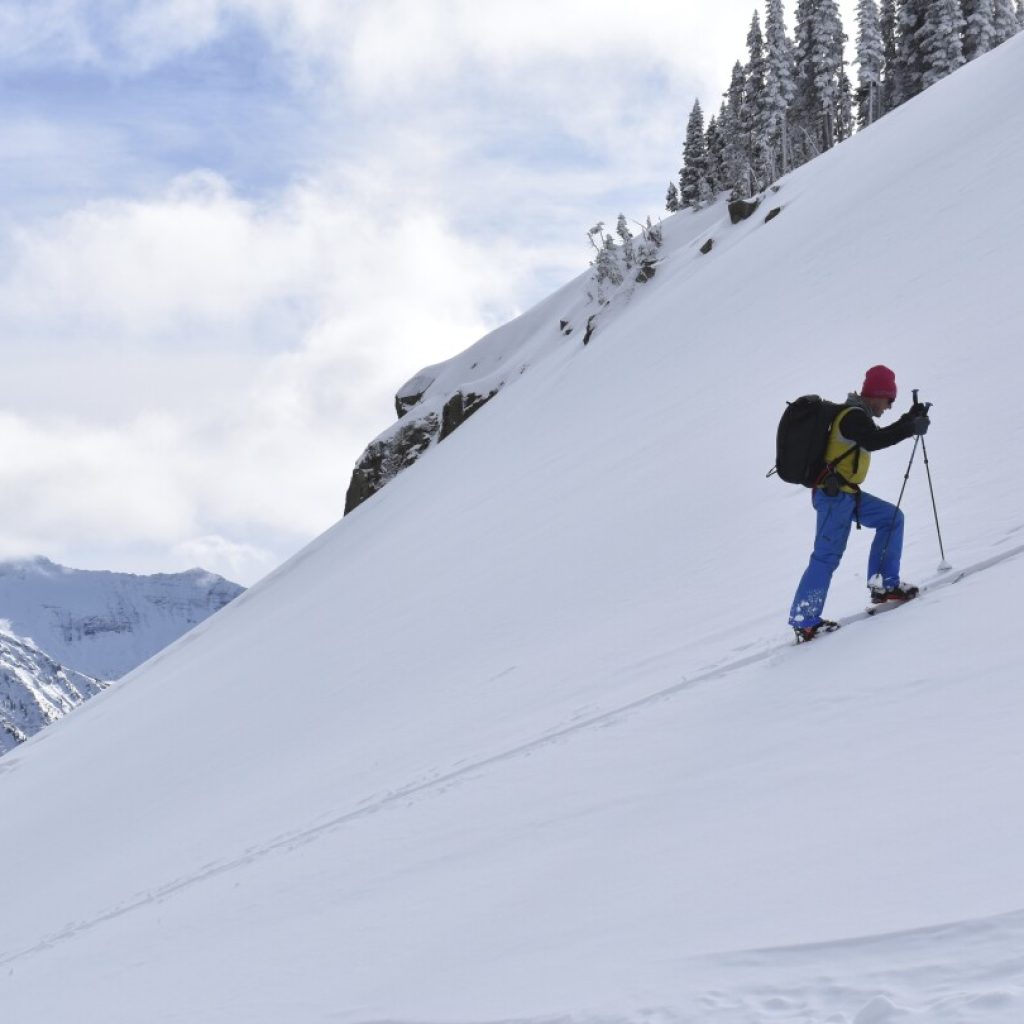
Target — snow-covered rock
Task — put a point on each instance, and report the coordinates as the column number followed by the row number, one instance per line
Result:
column 438, row 399
column 104, row 624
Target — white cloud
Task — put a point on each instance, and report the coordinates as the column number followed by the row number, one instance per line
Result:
column 226, row 557
column 340, row 307
column 98, row 481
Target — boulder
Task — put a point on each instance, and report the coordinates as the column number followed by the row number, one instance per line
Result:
column 741, row 209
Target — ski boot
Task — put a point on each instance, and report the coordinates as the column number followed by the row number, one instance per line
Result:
column 804, row 634
column 895, row 595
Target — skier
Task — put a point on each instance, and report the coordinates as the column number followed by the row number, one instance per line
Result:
column 838, row 501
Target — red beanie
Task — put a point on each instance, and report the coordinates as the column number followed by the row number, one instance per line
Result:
column 879, row 382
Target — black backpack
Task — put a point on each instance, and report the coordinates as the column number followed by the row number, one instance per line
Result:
column 802, row 438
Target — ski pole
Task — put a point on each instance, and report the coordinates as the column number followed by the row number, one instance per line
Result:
column 899, row 501
column 944, row 566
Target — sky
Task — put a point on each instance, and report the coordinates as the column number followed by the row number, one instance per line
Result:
column 231, row 229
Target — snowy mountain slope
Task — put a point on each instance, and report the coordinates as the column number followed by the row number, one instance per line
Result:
column 505, row 751
column 35, row 690
column 105, row 623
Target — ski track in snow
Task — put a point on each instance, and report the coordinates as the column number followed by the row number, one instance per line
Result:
column 875, row 1012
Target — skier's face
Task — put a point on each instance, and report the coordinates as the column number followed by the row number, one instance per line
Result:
column 878, row 405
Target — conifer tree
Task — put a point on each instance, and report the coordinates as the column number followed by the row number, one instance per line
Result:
column 939, row 40
column 1020, row 15
column 910, row 19
column 734, row 125
column 672, row 198
column 693, row 178
column 756, row 75
column 627, row 251
column 607, row 274
column 979, row 27
column 779, row 89
column 1005, row 20
column 870, row 61
column 845, row 122
column 804, row 141
column 714, row 147
column 819, row 60
column 892, row 88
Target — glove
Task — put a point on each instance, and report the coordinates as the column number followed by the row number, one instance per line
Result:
column 918, row 409
column 919, row 424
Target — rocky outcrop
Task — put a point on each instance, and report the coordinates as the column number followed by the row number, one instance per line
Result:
column 399, row 448
column 440, row 398
column 386, row 457
column 459, row 408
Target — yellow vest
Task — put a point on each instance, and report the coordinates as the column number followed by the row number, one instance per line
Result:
column 855, row 466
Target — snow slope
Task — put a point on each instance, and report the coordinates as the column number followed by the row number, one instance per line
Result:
column 105, row 623
column 524, row 737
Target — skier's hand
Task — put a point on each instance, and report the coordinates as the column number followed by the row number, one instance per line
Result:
column 919, row 424
column 918, row 409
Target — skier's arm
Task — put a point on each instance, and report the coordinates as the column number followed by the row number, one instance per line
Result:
column 858, row 427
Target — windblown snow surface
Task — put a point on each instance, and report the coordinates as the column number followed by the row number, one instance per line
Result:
column 524, row 738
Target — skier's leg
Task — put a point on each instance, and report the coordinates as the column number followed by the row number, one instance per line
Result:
column 834, row 517
column 887, row 547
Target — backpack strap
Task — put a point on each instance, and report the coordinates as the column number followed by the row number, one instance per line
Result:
column 829, row 469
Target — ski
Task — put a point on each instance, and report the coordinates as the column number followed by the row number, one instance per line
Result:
column 877, row 609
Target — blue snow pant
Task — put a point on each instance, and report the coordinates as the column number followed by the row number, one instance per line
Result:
column 835, row 517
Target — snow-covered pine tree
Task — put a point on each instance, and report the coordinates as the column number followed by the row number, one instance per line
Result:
column 910, row 19
column 693, row 178
column 756, row 73
column 647, row 250
column 734, row 124
column 779, row 88
column 607, row 267
column 627, row 252
column 941, row 49
column 819, row 63
column 979, row 27
column 672, row 198
column 845, row 121
column 1005, row 20
column 870, row 62
column 892, row 87
column 714, row 146
column 1020, row 15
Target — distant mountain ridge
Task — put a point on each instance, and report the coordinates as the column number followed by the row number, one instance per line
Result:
column 104, row 624
column 35, row 690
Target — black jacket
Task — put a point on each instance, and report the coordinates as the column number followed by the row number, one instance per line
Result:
column 859, row 427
